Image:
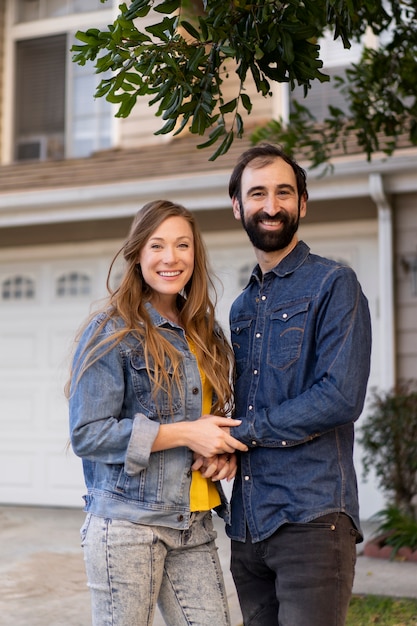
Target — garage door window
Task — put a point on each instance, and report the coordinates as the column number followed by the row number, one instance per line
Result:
column 73, row 285
column 18, row 288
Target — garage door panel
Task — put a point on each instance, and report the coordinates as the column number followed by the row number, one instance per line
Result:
column 18, row 469
column 17, row 348
column 17, row 409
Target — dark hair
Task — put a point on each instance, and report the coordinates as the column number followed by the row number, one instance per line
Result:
column 265, row 153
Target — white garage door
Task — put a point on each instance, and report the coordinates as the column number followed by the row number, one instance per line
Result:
column 45, row 295
column 43, row 301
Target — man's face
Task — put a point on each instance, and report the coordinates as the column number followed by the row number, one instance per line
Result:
column 270, row 208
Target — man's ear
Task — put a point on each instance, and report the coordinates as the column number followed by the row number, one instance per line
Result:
column 303, row 206
column 236, row 208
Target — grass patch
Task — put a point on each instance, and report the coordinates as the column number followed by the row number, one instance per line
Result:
column 383, row 611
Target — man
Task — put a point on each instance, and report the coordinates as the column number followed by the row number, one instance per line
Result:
column 302, row 341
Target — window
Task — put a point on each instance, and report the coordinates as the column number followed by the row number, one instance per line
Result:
column 40, row 98
column 29, row 10
column 322, row 95
column 18, row 288
column 56, row 114
column 336, row 59
column 72, row 285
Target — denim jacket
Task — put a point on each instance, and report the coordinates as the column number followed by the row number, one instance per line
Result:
column 302, row 341
column 114, row 422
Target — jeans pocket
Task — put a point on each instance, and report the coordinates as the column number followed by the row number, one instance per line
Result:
column 84, row 528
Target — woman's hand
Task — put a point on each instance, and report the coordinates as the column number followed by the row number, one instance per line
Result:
column 210, row 436
column 219, row 467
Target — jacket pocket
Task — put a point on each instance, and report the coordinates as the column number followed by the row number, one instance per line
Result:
column 286, row 333
column 153, row 403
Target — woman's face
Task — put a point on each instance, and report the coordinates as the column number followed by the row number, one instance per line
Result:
column 167, row 258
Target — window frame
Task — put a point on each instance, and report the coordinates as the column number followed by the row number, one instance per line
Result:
column 66, row 24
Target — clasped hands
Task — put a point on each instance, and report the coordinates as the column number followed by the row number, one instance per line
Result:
column 223, row 464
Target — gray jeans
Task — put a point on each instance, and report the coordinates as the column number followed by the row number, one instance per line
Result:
column 132, row 567
column 300, row 576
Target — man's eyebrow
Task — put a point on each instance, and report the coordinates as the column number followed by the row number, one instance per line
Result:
column 286, row 186
column 256, row 188
column 281, row 186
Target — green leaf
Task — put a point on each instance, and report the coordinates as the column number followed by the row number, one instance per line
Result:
column 196, row 58
column 169, row 6
column 213, row 136
column 239, row 125
column 224, row 146
column 90, row 36
column 191, row 30
column 165, row 29
column 246, row 101
column 229, row 106
column 167, row 128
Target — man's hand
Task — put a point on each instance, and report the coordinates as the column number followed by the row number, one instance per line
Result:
column 220, row 467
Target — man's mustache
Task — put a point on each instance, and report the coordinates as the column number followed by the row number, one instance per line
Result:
column 280, row 216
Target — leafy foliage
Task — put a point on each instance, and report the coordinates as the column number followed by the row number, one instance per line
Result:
column 389, row 439
column 184, row 58
column 400, row 529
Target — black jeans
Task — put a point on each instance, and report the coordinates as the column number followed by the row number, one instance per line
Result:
column 300, row 576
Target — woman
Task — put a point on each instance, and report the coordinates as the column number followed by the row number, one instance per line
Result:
column 146, row 368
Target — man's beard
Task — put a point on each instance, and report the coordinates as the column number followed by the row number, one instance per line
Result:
column 270, row 241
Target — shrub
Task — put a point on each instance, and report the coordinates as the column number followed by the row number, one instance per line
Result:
column 389, row 440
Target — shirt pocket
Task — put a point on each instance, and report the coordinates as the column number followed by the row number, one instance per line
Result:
column 286, row 334
column 154, row 404
column 241, row 342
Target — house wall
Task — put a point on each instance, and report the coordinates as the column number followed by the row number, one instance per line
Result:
column 2, row 15
column 139, row 128
column 406, row 251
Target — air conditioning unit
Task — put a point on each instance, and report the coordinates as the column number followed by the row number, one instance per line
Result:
column 31, row 148
column 40, row 147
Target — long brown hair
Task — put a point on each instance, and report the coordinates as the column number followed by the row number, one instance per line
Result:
column 196, row 308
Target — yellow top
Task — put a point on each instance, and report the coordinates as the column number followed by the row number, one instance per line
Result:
column 203, row 492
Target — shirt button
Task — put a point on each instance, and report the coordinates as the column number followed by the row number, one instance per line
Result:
column 250, row 407
column 195, row 391
column 258, row 335
column 263, row 298
column 284, row 316
column 247, row 478
column 254, row 443
column 255, row 371
column 283, row 443
column 180, row 518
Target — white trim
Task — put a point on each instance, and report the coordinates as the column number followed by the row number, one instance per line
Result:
column 199, row 192
column 386, row 282
column 60, row 251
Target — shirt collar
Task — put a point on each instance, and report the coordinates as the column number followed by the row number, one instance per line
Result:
column 287, row 265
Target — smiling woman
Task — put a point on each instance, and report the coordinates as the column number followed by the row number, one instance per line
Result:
column 167, row 263
column 147, row 369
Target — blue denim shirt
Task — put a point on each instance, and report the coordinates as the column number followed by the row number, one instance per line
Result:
column 302, row 340
column 114, row 422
